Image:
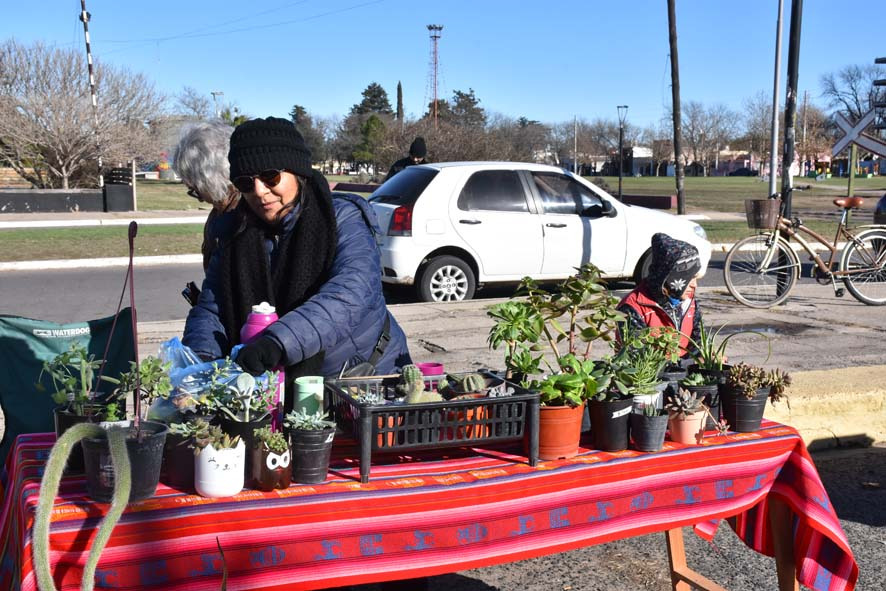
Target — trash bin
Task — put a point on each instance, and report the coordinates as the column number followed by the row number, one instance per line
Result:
column 880, row 212
column 118, row 194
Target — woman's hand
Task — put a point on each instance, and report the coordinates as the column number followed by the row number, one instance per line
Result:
column 260, row 356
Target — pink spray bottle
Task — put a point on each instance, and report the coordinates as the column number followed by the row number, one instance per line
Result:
column 261, row 317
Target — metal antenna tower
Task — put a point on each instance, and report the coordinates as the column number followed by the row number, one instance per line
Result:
column 84, row 16
column 434, row 32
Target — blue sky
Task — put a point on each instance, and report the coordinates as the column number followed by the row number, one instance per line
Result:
column 546, row 61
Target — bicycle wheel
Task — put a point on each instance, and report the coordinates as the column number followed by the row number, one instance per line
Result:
column 868, row 255
column 756, row 287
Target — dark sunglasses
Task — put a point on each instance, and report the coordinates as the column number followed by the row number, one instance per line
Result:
column 269, row 178
column 193, row 193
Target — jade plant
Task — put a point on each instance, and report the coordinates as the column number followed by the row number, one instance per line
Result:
column 73, row 376
column 566, row 323
column 149, row 379
column 641, row 357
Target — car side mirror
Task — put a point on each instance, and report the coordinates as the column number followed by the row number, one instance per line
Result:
column 604, row 210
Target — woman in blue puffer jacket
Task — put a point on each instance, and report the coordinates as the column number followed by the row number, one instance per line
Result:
column 313, row 256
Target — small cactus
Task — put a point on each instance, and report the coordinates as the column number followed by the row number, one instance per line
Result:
column 472, row 382
column 411, row 384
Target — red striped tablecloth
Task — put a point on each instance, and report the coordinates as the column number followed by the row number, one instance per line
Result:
column 430, row 514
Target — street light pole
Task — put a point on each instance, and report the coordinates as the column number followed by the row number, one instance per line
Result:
column 622, row 114
column 215, row 94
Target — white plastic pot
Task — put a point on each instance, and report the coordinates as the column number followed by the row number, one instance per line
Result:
column 219, row 472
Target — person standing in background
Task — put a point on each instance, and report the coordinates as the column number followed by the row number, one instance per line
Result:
column 417, row 153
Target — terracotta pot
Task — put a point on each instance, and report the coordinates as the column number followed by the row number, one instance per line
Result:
column 689, row 429
column 559, row 430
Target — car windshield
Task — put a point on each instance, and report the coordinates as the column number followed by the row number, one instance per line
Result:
column 404, row 187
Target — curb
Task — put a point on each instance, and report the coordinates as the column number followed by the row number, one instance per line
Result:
column 180, row 259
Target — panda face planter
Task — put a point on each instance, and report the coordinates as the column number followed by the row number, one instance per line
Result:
column 271, row 469
column 219, row 472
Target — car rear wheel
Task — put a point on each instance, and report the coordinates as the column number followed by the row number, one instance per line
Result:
column 446, row 279
column 642, row 269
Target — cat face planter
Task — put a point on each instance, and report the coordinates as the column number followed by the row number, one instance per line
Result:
column 271, row 470
column 219, row 472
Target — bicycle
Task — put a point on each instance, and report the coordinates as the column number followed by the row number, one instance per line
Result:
column 761, row 270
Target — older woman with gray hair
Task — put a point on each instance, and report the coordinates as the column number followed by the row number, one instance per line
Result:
column 201, row 160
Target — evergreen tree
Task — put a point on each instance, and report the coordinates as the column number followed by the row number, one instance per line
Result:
column 399, row 102
column 375, row 100
column 466, row 109
column 313, row 132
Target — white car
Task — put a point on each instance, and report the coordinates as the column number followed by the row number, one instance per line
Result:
column 452, row 226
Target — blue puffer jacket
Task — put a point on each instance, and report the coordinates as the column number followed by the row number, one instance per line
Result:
column 344, row 318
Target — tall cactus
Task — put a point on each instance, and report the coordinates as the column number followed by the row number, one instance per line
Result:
column 52, row 476
column 412, row 386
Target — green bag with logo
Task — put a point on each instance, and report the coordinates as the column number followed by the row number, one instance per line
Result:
column 26, row 343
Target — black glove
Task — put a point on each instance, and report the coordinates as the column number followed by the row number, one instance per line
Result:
column 260, row 356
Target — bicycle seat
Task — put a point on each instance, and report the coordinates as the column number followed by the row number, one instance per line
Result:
column 849, row 202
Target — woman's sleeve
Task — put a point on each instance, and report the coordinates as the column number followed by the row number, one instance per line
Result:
column 204, row 332
column 344, row 301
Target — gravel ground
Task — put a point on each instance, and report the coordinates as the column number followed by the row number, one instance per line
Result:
column 856, row 483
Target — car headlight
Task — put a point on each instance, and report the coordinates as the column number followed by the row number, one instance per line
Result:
column 699, row 231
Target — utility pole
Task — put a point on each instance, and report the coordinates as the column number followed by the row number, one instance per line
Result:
column 804, row 153
column 84, row 17
column 675, row 105
column 574, row 144
column 773, row 163
column 622, row 114
column 790, row 106
column 434, row 32
column 215, row 94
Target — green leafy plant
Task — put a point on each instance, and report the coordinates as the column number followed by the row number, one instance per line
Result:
column 579, row 312
column 245, row 399
column 149, row 378
column 641, row 357
column 112, row 411
column 698, row 379
column 709, row 354
column 301, row 419
column 273, row 440
column 73, row 375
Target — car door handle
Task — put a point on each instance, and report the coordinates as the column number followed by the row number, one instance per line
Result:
column 469, row 222
column 555, row 225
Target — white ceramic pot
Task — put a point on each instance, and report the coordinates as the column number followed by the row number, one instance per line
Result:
column 219, row 472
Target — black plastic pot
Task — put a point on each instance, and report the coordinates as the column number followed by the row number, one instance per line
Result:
column 310, row 454
column 609, row 423
column 64, row 420
column 672, row 375
column 245, row 431
column 178, row 462
column 742, row 413
column 720, row 374
column 647, row 432
column 711, row 396
column 145, row 456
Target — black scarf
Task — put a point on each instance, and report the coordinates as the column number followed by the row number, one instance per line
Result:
column 301, row 264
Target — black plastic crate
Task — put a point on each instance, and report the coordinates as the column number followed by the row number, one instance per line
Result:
column 393, row 427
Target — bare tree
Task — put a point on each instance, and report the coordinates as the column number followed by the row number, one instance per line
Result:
column 756, row 125
column 47, row 130
column 815, row 136
column 193, row 104
column 851, row 90
column 658, row 138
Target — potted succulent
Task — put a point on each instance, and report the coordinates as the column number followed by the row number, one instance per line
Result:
column 687, row 415
column 243, row 404
column 743, row 396
column 178, row 453
column 648, row 428
column 219, row 462
column 705, row 386
column 640, row 359
column 271, row 460
column 311, row 437
column 145, row 440
column 566, row 322
column 710, row 355
column 74, row 380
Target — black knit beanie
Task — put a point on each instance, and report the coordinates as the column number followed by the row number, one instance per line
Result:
column 418, row 148
column 264, row 144
column 674, row 264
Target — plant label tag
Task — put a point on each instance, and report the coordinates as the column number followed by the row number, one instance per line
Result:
column 329, row 437
column 621, row 413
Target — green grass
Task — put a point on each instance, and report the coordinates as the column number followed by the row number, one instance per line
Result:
column 95, row 242
column 166, row 195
